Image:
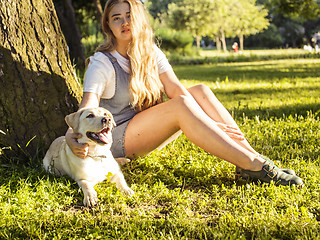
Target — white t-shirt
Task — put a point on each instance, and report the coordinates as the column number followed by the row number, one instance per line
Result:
column 100, row 75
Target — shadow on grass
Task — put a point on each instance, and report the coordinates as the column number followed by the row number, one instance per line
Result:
column 265, row 113
column 265, row 93
column 180, row 177
column 15, row 176
column 247, row 71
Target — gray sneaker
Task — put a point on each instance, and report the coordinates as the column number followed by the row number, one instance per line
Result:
column 269, row 173
column 286, row 170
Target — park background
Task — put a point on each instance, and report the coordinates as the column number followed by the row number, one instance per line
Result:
column 271, row 87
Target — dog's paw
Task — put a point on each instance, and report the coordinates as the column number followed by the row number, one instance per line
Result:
column 90, row 199
column 128, row 191
column 122, row 161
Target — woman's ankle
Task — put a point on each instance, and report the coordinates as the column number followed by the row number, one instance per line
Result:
column 256, row 164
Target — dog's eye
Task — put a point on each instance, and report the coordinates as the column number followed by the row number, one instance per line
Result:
column 90, row 115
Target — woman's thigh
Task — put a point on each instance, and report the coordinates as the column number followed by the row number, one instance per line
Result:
column 152, row 128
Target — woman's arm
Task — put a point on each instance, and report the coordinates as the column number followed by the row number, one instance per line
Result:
column 81, row 149
column 89, row 99
column 172, row 85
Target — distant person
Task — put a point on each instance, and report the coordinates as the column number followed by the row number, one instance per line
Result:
column 129, row 74
column 235, row 47
column 316, row 40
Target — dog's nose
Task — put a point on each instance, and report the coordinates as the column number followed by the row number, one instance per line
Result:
column 104, row 120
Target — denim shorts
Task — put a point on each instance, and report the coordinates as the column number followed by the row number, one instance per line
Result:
column 118, row 137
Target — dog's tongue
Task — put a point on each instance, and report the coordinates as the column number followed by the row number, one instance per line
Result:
column 103, row 136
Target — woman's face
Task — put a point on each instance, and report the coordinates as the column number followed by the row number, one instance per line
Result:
column 119, row 22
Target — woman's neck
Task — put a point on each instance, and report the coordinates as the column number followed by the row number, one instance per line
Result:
column 122, row 50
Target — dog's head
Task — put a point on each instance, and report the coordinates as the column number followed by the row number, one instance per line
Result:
column 95, row 124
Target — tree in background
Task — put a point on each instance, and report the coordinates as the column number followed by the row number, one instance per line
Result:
column 221, row 22
column 219, row 18
column 191, row 16
column 270, row 38
column 158, row 7
column 37, row 81
column 307, row 9
column 249, row 19
column 296, row 20
column 67, row 19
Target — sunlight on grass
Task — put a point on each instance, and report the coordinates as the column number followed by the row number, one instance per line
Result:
column 182, row 192
column 267, row 88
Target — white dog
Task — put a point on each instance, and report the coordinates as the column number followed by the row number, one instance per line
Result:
column 95, row 125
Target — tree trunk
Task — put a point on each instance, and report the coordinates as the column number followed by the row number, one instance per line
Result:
column 198, row 39
column 241, row 41
column 218, row 42
column 223, row 40
column 99, row 11
column 37, row 82
column 71, row 31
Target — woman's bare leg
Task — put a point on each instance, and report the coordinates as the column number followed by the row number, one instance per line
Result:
column 215, row 110
column 152, row 127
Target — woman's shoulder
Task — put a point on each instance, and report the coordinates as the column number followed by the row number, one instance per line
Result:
column 157, row 50
column 100, row 65
column 99, row 59
column 163, row 63
column 159, row 54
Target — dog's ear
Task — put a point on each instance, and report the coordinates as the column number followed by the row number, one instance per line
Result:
column 111, row 117
column 73, row 120
column 113, row 122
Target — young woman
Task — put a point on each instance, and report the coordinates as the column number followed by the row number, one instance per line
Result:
column 128, row 75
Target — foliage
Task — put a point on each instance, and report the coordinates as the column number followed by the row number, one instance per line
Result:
column 92, row 37
column 181, row 191
column 192, row 16
column 172, row 40
column 307, row 9
column 157, row 8
column 249, row 19
column 270, row 38
column 221, row 18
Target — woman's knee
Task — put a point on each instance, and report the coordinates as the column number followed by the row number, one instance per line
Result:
column 200, row 89
column 182, row 104
column 183, row 101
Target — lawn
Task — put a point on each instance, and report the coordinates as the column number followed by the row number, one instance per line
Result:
column 183, row 192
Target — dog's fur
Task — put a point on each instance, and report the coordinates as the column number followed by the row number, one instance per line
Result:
column 95, row 125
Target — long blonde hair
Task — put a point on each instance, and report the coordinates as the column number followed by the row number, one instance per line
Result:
column 145, row 86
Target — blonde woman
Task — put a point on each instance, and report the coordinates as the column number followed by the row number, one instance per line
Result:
column 128, row 75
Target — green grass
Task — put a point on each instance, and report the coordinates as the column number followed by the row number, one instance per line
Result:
column 213, row 56
column 181, row 191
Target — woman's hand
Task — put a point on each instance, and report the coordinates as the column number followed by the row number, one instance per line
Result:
column 231, row 131
column 79, row 149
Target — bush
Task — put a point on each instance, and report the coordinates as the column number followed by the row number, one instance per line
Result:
column 270, row 38
column 175, row 41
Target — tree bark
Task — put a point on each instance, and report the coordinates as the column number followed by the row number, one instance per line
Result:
column 218, row 42
column 241, row 41
column 99, row 14
column 99, row 11
column 37, row 82
column 67, row 18
column 223, row 40
column 198, row 39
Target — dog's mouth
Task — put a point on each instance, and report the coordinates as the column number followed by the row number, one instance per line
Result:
column 102, row 137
